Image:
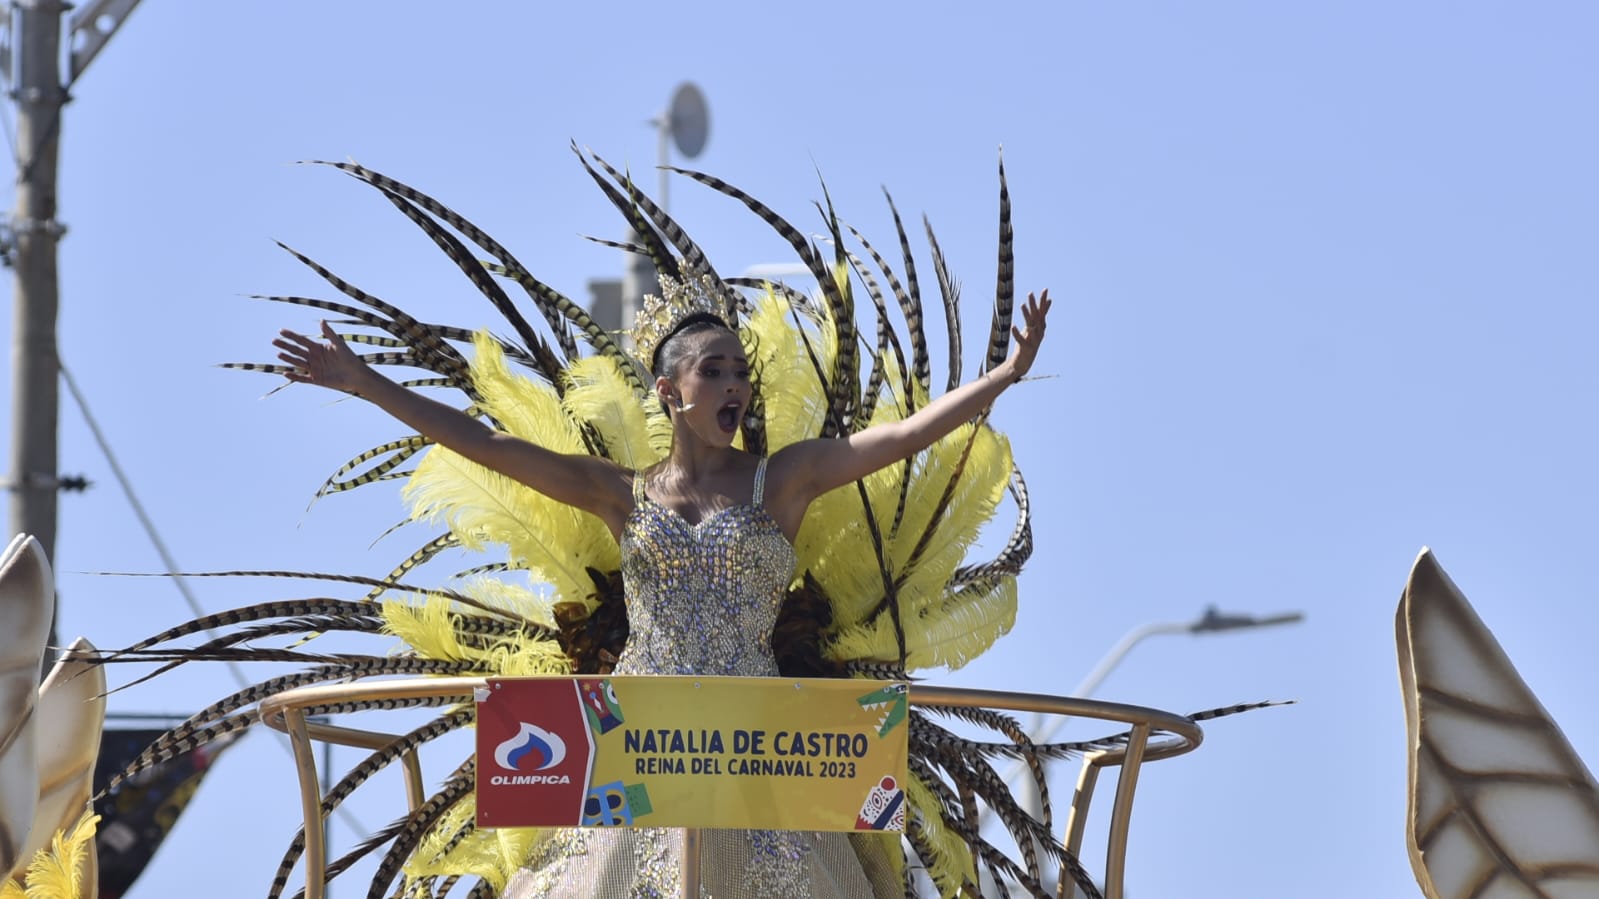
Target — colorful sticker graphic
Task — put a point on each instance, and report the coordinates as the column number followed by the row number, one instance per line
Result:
column 600, row 704
column 638, row 799
column 893, row 701
column 615, row 805
column 884, row 808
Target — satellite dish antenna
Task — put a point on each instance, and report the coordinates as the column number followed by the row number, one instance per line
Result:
column 688, row 122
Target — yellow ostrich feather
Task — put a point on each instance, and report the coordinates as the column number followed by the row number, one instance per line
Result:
column 835, row 543
column 532, row 411
column 526, row 658
column 951, row 863
column 425, row 626
column 795, row 401
column 522, row 406
column 636, row 433
column 59, row 872
column 554, row 541
column 868, row 641
column 427, row 859
column 493, row 855
column 963, row 626
column 835, row 529
column 888, row 849
column 977, row 459
column 950, row 633
column 429, row 629
column 979, row 487
column 834, row 539
column 835, row 532
column 533, row 605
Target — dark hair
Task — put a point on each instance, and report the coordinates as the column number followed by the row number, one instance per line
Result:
column 671, row 352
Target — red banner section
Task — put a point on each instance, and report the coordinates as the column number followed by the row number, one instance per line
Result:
column 534, row 752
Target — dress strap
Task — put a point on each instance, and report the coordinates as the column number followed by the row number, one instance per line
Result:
column 638, row 487
column 760, row 483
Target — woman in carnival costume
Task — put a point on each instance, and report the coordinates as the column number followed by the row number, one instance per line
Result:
column 706, row 537
column 737, row 500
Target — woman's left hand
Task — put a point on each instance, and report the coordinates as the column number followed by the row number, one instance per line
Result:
column 1028, row 339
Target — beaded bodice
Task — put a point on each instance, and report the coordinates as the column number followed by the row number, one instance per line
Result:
column 703, row 598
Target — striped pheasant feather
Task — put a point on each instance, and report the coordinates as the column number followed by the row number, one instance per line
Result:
column 557, row 310
column 949, row 290
column 1017, row 549
column 436, row 352
column 910, row 303
column 546, row 363
column 694, row 258
column 391, row 456
column 597, row 337
column 458, row 787
column 654, row 246
column 1005, row 286
column 371, row 765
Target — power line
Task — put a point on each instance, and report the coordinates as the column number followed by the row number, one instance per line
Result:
column 167, row 560
column 138, row 510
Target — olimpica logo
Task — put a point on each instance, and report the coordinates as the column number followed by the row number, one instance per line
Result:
column 532, row 749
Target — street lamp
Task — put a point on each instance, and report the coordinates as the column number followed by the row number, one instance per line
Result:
column 1210, row 622
column 686, row 124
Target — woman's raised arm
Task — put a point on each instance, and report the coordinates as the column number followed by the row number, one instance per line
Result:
column 810, row 468
column 589, row 483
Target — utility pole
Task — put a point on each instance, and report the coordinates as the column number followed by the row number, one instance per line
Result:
column 686, row 124
column 34, row 235
column 33, row 43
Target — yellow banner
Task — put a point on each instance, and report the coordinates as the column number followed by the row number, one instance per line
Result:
column 780, row 753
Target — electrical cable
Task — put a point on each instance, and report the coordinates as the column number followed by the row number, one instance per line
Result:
column 171, row 564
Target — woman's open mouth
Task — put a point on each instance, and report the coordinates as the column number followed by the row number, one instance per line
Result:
column 727, row 417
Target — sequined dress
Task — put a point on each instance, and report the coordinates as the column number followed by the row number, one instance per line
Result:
column 702, row 599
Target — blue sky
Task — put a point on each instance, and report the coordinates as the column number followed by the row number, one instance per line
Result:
column 1325, row 294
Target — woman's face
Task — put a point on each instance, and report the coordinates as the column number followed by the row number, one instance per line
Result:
column 713, row 385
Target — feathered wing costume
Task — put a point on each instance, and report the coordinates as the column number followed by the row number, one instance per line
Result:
column 882, row 588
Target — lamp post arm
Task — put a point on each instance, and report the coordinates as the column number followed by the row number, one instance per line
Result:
column 1106, row 665
column 1090, row 683
column 1210, row 622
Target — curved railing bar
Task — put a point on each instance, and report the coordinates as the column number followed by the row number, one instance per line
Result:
column 1178, row 735
column 1154, row 735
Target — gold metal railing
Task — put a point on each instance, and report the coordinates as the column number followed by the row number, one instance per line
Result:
column 1154, row 735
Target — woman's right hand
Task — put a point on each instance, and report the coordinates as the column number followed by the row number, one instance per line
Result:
column 332, row 364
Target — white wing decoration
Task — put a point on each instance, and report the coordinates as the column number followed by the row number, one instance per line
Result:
column 67, row 728
column 27, row 599
column 1500, row 806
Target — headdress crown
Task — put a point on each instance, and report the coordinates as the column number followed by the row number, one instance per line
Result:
column 695, row 294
